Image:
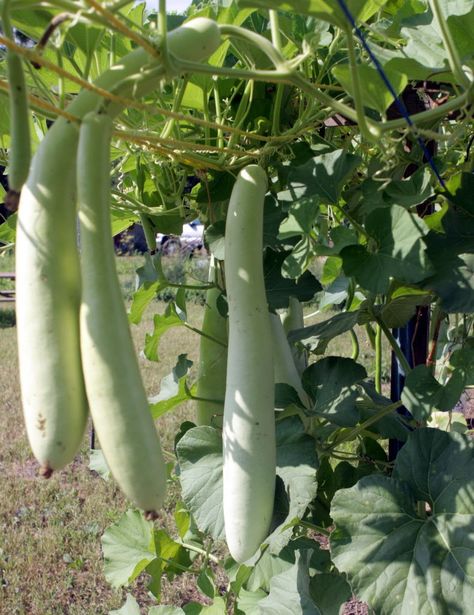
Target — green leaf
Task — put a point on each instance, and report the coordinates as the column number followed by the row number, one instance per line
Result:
column 424, row 53
column 161, row 324
column 323, row 9
column 174, row 557
column 128, row 548
column 458, row 227
column 286, row 395
column 375, row 94
column 279, row 289
column 422, row 393
column 248, row 602
column 402, row 562
column 332, row 269
column 130, row 607
column 289, row 591
column 272, row 219
column 341, row 236
column 323, row 332
column 8, row 230
column 218, row 607
column 453, row 282
column 97, row 463
column 389, row 426
column 301, row 219
column 270, row 565
column 412, row 191
column 398, row 310
column 398, row 251
column 460, row 189
column 297, row 465
column 182, row 519
column 335, row 294
column 205, row 582
column 329, row 591
column 200, row 462
column 173, row 388
column 448, row 421
column 214, row 235
column 143, row 297
column 462, row 360
column 166, row 610
column 121, row 221
column 331, row 383
column 323, row 176
column 299, row 259
column 155, row 570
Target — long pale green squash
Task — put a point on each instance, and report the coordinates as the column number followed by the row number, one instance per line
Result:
column 20, row 149
column 249, row 421
column 284, row 367
column 292, row 318
column 212, row 359
column 47, row 266
column 117, row 398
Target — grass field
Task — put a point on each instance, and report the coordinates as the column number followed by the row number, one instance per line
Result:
column 50, row 558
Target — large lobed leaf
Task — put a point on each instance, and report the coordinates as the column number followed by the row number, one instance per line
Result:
column 200, row 460
column 398, row 559
column 324, row 9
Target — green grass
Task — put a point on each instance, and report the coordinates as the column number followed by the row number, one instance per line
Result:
column 50, row 557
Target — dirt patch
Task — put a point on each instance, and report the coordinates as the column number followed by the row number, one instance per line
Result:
column 352, row 606
column 355, row 607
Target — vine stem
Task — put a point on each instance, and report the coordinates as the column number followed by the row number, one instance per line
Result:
column 315, row 528
column 162, row 29
column 355, row 345
column 435, row 325
column 453, row 56
column 395, row 347
column 206, row 335
column 367, row 423
column 123, row 29
column 368, row 134
column 218, row 110
column 275, row 29
column 259, row 41
column 378, row 359
column 204, row 552
column 178, row 99
column 277, row 109
column 149, row 230
column 206, row 399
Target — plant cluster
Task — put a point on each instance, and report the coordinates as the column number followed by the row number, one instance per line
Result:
column 297, row 131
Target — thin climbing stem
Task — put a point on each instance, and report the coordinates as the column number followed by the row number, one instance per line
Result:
column 353, row 433
column 395, row 347
column 378, row 358
column 275, row 29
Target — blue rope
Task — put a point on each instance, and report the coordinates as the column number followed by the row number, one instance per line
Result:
column 398, row 101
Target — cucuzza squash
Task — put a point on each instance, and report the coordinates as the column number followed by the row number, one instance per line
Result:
column 47, row 265
column 20, row 149
column 249, row 470
column 292, row 318
column 212, row 359
column 47, row 304
column 284, row 367
column 117, row 398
